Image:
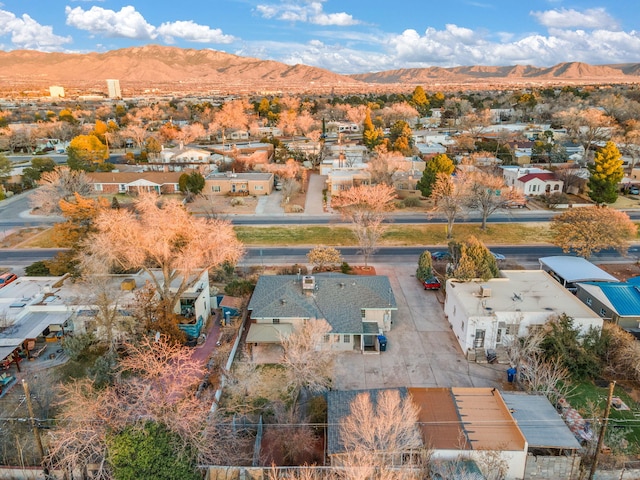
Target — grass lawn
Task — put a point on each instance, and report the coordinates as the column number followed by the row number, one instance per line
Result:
column 588, row 392
column 430, row 234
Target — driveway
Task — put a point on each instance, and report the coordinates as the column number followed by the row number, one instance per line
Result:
column 313, row 205
column 421, row 351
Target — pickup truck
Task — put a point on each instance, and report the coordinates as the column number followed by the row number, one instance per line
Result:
column 431, row 283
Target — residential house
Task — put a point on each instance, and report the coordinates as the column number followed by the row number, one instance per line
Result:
column 228, row 183
column 182, row 154
column 531, row 180
column 455, row 424
column 41, row 310
column 618, row 302
column 485, row 314
column 341, row 179
column 358, row 308
column 110, row 183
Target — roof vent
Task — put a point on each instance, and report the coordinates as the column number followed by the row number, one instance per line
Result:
column 485, row 291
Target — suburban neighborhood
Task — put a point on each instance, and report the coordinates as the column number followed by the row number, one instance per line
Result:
column 154, row 308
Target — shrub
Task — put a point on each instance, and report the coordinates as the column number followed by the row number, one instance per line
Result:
column 237, row 202
column 296, row 208
column 554, row 199
column 74, row 346
column 411, row 202
column 239, row 288
column 345, row 267
column 293, row 270
column 37, row 269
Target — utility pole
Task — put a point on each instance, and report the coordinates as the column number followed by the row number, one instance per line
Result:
column 34, row 425
column 603, row 429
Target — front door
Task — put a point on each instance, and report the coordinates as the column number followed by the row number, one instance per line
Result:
column 479, row 341
column 500, row 336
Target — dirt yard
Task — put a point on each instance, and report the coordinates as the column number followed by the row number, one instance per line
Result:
column 622, row 271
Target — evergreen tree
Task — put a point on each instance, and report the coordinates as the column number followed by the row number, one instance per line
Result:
column 371, row 136
column 606, row 173
column 441, row 163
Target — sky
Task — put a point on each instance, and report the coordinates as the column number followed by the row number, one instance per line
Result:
column 347, row 36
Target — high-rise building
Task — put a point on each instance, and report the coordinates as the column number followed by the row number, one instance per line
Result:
column 113, row 87
column 56, row 91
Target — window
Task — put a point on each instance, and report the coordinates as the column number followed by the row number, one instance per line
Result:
column 462, row 325
column 326, row 338
column 511, row 329
column 122, row 187
column 215, row 188
column 363, row 313
column 346, row 338
column 336, row 338
column 259, row 187
column 589, row 301
column 98, row 187
column 276, row 320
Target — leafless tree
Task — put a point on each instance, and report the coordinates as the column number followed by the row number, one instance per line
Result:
column 376, row 432
column 308, row 357
column 488, row 193
column 60, row 184
column 450, row 199
column 365, row 206
column 163, row 235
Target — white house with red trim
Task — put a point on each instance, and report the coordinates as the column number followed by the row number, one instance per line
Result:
column 532, row 181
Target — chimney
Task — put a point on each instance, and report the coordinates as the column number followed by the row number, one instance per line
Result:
column 308, row 284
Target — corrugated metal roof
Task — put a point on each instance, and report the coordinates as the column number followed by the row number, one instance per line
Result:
column 541, row 425
column 624, row 297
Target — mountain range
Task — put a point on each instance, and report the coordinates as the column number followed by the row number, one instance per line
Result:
column 176, row 69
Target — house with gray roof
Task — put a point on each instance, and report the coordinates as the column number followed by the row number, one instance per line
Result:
column 358, row 308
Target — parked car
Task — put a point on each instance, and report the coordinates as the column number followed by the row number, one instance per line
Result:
column 516, row 203
column 634, row 191
column 431, row 283
column 440, row 255
column 498, row 256
column 7, row 278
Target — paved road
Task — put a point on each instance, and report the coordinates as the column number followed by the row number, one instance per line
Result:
column 421, row 349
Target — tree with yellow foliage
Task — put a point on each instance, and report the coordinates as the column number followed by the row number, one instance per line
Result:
column 86, row 152
column 606, row 173
column 587, row 230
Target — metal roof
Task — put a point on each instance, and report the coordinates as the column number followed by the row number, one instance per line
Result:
column 576, row 269
column 624, row 297
column 541, row 425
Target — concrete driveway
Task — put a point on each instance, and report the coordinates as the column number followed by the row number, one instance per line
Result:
column 421, row 351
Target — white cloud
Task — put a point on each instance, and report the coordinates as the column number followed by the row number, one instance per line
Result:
column 27, row 33
column 591, row 18
column 306, row 12
column 192, row 32
column 129, row 23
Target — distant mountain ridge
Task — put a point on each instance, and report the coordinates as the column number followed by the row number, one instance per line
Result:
column 153, row 65
column 563, row 71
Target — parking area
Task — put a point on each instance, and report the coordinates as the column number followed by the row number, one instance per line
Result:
column 421, row 351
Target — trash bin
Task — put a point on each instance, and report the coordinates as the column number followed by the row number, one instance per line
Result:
column 382, row 340
column 511, row 374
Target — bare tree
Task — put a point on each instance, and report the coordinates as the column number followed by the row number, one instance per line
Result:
column 376, row 432
column 383, row 165
column 156, row 383
column 450, row 197
column 587, row 126
column 488, row 193
column 60, row 184
column 165, row 236
column 365, row 206
column 308, row 357
column 138, row 133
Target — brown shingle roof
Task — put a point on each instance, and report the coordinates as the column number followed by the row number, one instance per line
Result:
column 159, row 178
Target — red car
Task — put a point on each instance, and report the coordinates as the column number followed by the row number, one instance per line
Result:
column 7, row 278
column 431, row 283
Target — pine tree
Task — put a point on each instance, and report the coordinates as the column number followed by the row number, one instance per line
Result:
column 606, row 173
